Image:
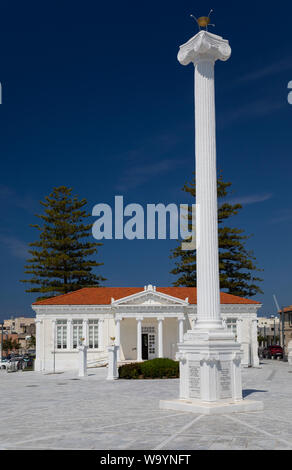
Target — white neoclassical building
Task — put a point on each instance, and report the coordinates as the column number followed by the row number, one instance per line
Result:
column 145, row 322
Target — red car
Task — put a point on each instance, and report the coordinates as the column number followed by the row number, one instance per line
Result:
column 274, row 351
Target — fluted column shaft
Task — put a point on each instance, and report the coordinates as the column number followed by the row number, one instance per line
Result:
column 160, row 337
column 118, row 338
column 180, row 330
column 208, row 291
column 38, row 361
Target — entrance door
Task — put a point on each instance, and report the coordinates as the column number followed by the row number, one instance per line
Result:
column 148, row 342
column 151, row 346
column 145, row 347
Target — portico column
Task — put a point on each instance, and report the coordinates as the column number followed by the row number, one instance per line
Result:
column 242, row 341
column 160, row 337
column 54, row 335
column 239, row 323
column 255, row 362
column 139, row 339
column 38, row 360
column 54, row 345
column 180, row 330
column 118, row 338
column 85, row 332
column 100, row 333
column 69, row 334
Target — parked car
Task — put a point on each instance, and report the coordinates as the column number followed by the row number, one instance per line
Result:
column 274, row 351
column 11, row 363
column 3, row 363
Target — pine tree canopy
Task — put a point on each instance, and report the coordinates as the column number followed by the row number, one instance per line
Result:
column 59, row 258
column 236, row 264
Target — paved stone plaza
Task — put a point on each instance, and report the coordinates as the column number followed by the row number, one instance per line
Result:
column 63, row 412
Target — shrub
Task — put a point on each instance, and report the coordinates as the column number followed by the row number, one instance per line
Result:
column 154, row 369
column 159, row 368
column 130, row 371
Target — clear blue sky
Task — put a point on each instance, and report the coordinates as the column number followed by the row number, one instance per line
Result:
column 94, row 98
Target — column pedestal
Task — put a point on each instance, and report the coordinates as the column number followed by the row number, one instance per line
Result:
column 210, row 375
column 82, row 353
column 112, row 372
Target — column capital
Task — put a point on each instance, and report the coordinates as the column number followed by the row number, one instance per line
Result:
column 204, row 46
column 181, row 318
column 160, row 318
column 139, row 318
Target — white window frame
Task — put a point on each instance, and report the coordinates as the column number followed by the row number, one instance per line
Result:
column 93, row 333
column 62, row 328
column 231, row 324
column 77, row 332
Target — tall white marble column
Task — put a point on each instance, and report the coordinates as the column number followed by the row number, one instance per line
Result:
column 203, row 50
column 210, row 379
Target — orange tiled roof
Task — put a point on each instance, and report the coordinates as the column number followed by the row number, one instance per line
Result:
column 287, row 309
column 103, row 296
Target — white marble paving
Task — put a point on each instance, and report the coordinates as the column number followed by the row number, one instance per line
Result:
column 55, row 412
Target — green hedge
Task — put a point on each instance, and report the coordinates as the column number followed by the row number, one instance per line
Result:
column 154, row 369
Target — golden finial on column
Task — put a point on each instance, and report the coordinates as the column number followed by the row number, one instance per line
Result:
column 203, row 21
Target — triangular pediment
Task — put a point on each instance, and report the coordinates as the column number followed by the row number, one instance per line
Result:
column 150, row 297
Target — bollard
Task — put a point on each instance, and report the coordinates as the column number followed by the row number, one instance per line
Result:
column 82, row 360
column 112, row 373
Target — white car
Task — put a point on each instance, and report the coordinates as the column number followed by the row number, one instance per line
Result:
column 9, row 365
column 3, row 364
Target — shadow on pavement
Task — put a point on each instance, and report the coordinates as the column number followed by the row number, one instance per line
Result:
column 247, row 392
